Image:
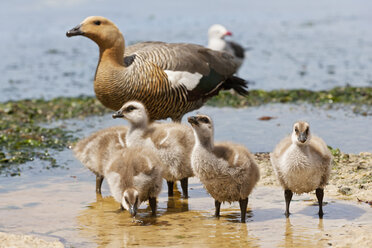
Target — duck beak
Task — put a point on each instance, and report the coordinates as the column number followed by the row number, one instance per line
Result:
column 118, row 114
column 193, row 120
column 75, row 31
column 302, row 138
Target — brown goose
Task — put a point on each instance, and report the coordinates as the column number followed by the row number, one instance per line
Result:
column 170, row 79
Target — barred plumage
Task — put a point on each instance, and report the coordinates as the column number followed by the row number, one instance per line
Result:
column 170, row 79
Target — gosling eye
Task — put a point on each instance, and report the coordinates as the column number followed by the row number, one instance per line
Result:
column 296, row 130
column 204, row 120
column 97, row 22
column 307, row 130
column 130, row 108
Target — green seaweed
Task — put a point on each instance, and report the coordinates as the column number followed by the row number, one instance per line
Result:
column 24, row 137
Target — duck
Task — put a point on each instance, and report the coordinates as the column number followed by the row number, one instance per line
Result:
column 227, row 170
column 134, row 175
column 217, row 42
column 95, row 150
column 172, row 141
column 170, row 79
column 302, row 163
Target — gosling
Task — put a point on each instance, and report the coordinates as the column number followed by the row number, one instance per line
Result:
column 228, row 171
column 95, row 150
column 134, row 175
column 302, row 163
column 173, row 142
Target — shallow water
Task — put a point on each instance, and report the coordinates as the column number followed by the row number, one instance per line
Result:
column 61, row 204
column 302, row 44
column 339, row 128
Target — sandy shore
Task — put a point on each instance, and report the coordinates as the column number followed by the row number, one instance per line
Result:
column 15, row 240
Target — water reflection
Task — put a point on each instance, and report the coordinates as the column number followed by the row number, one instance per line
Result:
column 175, row 225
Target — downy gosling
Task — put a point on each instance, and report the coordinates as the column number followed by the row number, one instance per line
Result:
column 302, row 163
column 228, row 171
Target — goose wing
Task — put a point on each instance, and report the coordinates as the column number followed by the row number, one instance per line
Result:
column 196, row 68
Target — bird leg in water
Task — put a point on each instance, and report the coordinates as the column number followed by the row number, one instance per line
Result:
column 170, row 188
column 152, row 202
column 99, row 180
column 217, row 204
column 288, row 197
column 243, row 203
column 184, row 185
column 319, row 194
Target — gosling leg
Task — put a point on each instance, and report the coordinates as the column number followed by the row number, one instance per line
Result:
column 319, row 194
column 288, row 197
column 184, row 185
column 152, row 202
column 217, row 204
column 170, row 188
column 99, row 180
column 243, row 203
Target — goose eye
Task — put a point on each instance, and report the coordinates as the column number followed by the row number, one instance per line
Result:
column 205, row 120
column 97, row 22
column 130, row 108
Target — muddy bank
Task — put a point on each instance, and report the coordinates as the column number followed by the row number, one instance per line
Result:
column 351, row 176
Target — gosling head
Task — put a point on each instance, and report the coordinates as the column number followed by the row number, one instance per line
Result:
column 130, row 201
column 99, row 29
column 218, row 31
column 203, row 128
column 301, row 133
column 134, row 112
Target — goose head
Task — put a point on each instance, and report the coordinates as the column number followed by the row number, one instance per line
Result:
column 99, row 29
column 133, row 111
column 130, row 201
column 203, row 129
column 218, row 31
column 301, row 133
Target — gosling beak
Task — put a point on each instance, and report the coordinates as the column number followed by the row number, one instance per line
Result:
column 193, row 120
column 75, row 31
column 118, row 114
column 302, row 137
column 133, row 210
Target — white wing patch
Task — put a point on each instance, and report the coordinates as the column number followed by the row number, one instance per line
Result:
column 188, row 79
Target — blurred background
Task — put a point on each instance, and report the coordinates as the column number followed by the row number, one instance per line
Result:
column 295, row 44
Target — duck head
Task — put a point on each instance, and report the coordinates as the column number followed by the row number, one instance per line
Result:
column 133, row 111
column 203, row 129
column 301, row 133
column 99, row 29
column 130, row 201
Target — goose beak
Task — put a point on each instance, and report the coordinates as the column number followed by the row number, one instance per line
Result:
column 75, row 31
column 133, row 210
column 302, row 138
column 118, row 114
column 193, row 120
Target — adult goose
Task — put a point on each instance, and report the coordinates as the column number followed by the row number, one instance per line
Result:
column 171, row 79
